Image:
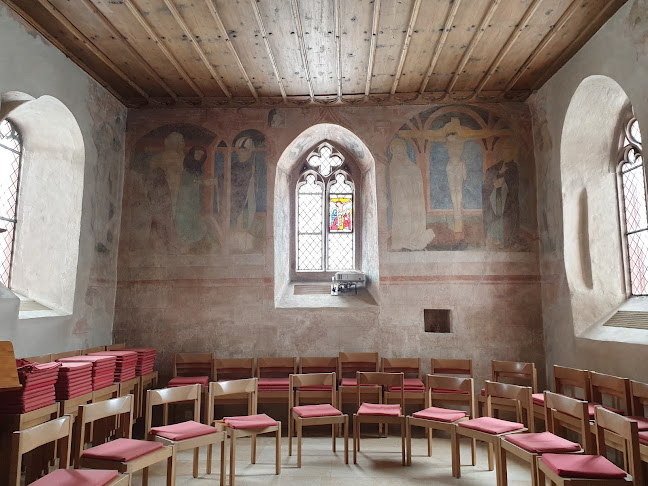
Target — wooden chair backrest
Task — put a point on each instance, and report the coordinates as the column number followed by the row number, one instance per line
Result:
column 276, row 367
column 233, row 368
column 461, row 367
column 121, row 408
column 627, row 429
column 408, row 366
column 520, row 396
column 349, row 363
column 96, row 349
column 46, row 358
column 311, row 379
column 561, row 409
column 381, row 379
column 518, row 372
column 248, row 387
column 66, row 354
column 639, row 398
column 193, row 364
column 460, row 384
column 115, row 347
column 567, row 379
column 309, row 364
column 165, row 396
column 27, row 440
column 611, row 386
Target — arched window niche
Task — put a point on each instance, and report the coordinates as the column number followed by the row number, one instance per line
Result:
column 48, row 227
column 352, row 172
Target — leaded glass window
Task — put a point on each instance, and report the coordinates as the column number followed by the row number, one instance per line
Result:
column 325, row 213
column 10, row 152
column 633, row 184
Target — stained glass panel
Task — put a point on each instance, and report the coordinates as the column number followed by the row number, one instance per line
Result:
column 341, row 213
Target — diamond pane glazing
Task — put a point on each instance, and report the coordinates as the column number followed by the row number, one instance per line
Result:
column 340, row 251
column 634, row 131
column 309, row 252
column 634, row 199
column 10, row 149
column 310, row 220
column 638, row 258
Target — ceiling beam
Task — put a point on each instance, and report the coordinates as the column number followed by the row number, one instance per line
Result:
column 473, row 43
column 273, row 61
column 64, row 50
column 192, row 40
column 170, row 57
column 91, row 47
column 522, row 24
column 118, row 35
column 564, row 18
column 302, row 46
column 338, row 45
column 406, row 43
column 452, row 12
column 221, row 26
column 372, row 48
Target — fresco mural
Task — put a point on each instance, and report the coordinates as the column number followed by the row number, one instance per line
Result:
column 189, row 193
column 455, row 179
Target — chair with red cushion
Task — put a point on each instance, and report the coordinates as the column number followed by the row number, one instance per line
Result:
column 321, row 414
column 348, row 365
column 273, row 375
column 185, row 435
column 316, row 394
column 491, row 430
column 60, row 430
column 414, row 386
column 249, row 425
column 571, row 382
column 613, row 393
column 529, row 447
column 378, row 413
column 192, row 368
column 442, row 418
column 123, row 453
column 597, row 470
column 639, row 398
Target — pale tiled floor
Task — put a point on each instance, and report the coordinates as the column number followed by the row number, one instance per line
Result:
column 379, row 464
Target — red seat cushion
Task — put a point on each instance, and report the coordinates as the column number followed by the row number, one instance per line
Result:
column 643, row 437
column 309, row 411
column 582, row 466
column 184, row 430
column 274, row 382
column 353, row 382
column 122, row 450
column 260, row 421
column 591, row 406
column 444, row 390
column 542, row 442
column 76, row 477
column 410, row 385
column 440, row 414
column 189, row 380
column 491, row 425
column 538, row 399
column 642, row 423
column 315, row 388
column 387, row 410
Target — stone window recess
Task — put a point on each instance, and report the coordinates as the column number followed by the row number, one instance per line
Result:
column 633, row 196
column 10, row 158
column 325, row 210
column 437, row 320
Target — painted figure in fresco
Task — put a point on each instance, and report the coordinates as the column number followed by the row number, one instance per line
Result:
column 170, row 161
column 188, row 209
column 500, row 196
column 408, row 215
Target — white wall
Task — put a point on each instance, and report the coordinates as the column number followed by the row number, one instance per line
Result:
column 29, row 64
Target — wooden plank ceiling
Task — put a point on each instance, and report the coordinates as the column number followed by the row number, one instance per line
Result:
column 313, row 52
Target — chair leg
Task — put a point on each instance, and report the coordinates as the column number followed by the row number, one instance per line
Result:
column 473, row 450
column 490, row 456
column 196, row 459
column 290, row 433
column 333, row 435
column 534, row 471
column 232, row 460
column 542, row 479
column 209, row 458
column 502, row 477
column 456, row 453
column 409, row 443
column 299, row 442
column 430, row 436
column 171, row 469
column 145, row 475
column 278, row 451
column 355, row 437
column 403, row 433
column 253, row 450
column 223, row 455
column 346, row 440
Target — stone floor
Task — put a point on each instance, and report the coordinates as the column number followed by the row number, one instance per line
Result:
column 379, row 464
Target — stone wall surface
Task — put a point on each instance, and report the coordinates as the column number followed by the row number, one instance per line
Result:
column 31, row 65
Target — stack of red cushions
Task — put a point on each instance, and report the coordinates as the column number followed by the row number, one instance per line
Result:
column 74, row 380
column 38, row 388
column 145, row 360
column 274, row 384
column 103, row 369
column 126, row 363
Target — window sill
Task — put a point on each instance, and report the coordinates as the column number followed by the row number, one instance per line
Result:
column 31, row 309
column 629, row 335
column 288, row 300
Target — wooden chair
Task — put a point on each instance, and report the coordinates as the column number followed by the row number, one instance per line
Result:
column 639, row 404
column 226, row 369
column 321, row 414
column 348, row 365
column 57, row 430
column 452, row 367
column 378, row 413
column 591, row 470
column 515, row 373
column 442, row 418
column 317, row 394
column 245, row 426
column 123, row 454
column 611, row 389
column 185, row 435
column 115, row 347
column 491, row 430
column 274, row 379
column 529, row 447
column 414, row 386
column 570, row 382
column 192, row 368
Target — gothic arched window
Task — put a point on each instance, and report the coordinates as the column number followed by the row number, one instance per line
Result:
column 10, row 155
column 633, row 187
column 325, row 214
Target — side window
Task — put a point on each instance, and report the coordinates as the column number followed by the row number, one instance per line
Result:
column 10, row 158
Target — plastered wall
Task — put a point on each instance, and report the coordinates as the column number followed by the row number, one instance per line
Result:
column 573, row 300
column 29, row 64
